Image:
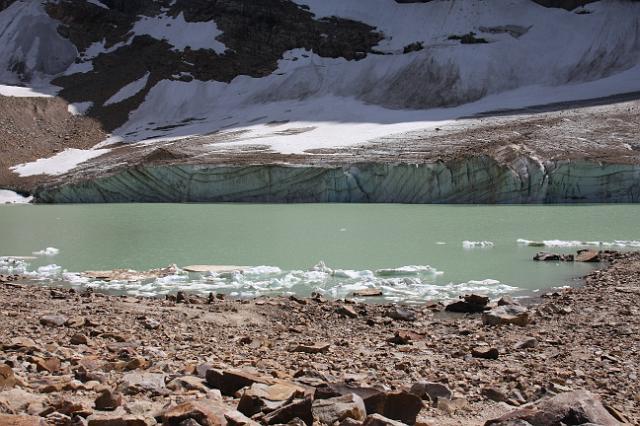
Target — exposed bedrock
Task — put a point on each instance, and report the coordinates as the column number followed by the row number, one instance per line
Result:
column 479, row 179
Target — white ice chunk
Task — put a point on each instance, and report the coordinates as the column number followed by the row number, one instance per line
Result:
column 49, row 251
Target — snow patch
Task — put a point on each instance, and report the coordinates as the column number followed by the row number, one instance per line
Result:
column 98, row 3
column 79, row 68
column 58, row 164
column 129, row 90
column 79, row 108
column 180, row 33
column 22, row 92
column 10, row 197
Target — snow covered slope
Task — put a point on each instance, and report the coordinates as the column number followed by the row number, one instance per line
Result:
column 30, row 47
column 533, row 55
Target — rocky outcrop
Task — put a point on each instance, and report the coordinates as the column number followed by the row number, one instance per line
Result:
column 255, row 34
column 471, row 180
column 572, row 408
column 564, row 4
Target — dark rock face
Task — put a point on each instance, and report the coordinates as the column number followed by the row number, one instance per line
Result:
column 564, row 4
column 6, row 3
column 256, row 34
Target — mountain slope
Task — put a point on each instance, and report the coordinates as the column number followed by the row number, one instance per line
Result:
column 298, row 76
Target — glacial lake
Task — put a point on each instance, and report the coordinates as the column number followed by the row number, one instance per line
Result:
column 413, row 253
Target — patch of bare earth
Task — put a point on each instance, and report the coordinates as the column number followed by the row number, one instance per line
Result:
column 33, row 128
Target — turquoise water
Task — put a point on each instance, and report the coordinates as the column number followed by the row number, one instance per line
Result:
column 356, row 240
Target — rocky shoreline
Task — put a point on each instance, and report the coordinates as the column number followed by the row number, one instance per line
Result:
column 85, row 358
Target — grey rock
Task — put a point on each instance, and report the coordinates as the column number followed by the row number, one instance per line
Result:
column 508, row 314
column 133, row 383
column 379, row 420
column 52, row 320
column 337, row 409
column 432, row 391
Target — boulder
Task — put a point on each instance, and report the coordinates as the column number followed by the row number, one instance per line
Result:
column 133, row 383
column 119, row 418
column 108, row 400
column 572, row 408
column 7, row 378
column 188, row 383
column 494, row 394
column 205, row 412
column 261, row 397
column 19, row 401
column 315, row 348
column 52, row 320
column 373, row 398
column 432, row 391
column 378, row 420
column 337, row 409
column 232, row 380
column 50, row 365
column 485, row 352
column 9, row 420
column 236, row 418
column 403, row 406
column 507, row 314
column 471, row 303
column 527, row 343
column 507, row 300
column 544, row 256
column 299, row 408
column 588, row 256
column 401, row 314
column 347, row 311
column 368, row 292
column 22, row 344
column 79, row 339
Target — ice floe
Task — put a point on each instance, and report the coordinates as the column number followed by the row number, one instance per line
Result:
column 579, row 243
column 413, row 283
column 49, row 251
column 477, row 244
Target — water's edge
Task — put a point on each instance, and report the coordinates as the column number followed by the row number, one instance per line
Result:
column 480, row 179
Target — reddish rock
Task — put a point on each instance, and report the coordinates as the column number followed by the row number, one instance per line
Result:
column 403, row 406
column 50, row 365
column 108, row 400
column 8, row 420
column 7, row 378
column 233, row 380
column 588, row 256
column 315, row 348
column 205, row 412
column 485, row 352
column 300, row 409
